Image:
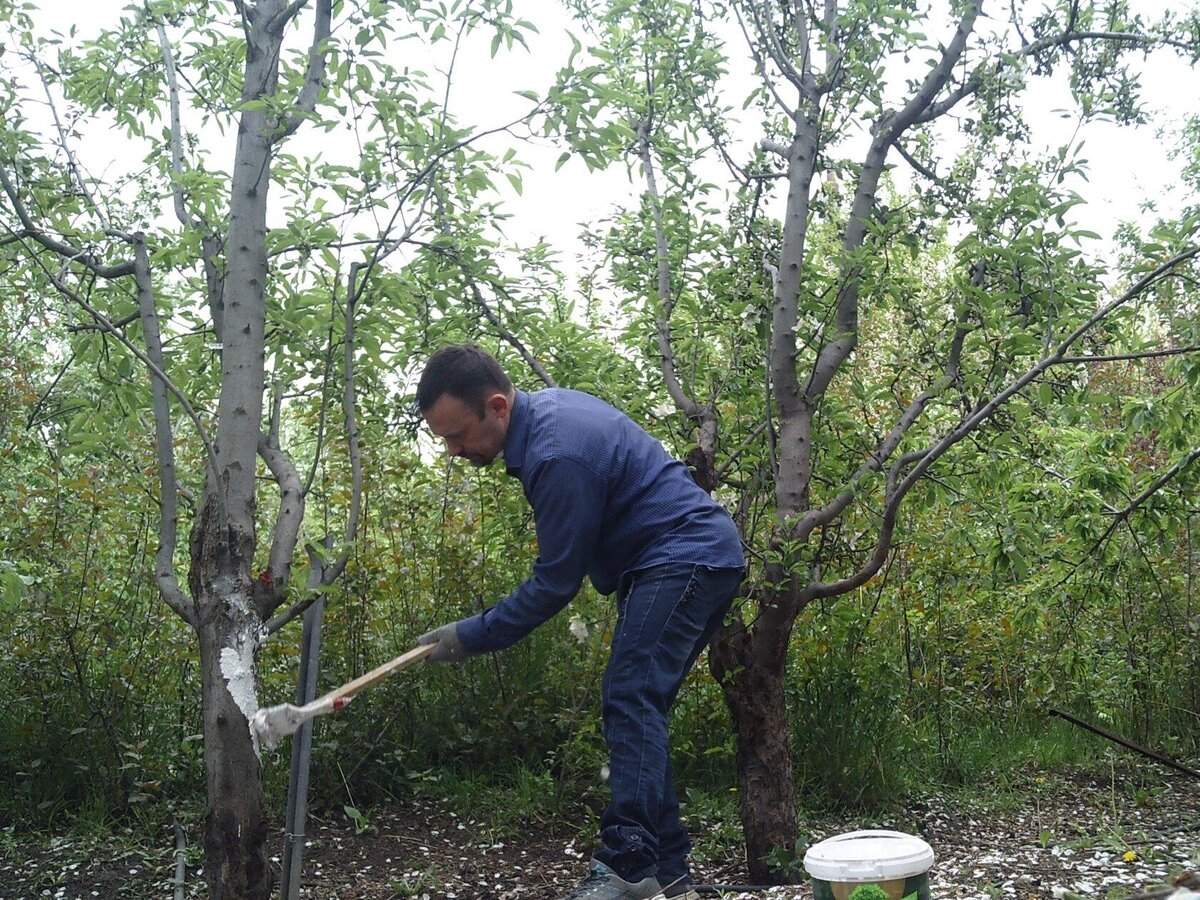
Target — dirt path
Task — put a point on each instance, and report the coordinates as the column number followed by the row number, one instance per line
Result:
column 1096, row 837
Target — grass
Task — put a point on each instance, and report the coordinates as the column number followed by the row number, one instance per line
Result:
column 508, row 804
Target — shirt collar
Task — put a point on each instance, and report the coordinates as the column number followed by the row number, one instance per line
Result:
column 518, row 434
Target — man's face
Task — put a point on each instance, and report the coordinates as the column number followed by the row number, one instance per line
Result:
column 478, row 440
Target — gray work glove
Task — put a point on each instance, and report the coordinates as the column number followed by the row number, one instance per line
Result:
column 449, row 649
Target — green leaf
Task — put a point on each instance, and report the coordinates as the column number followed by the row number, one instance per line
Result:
column 12, row 589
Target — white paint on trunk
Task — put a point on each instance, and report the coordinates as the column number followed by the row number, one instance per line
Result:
column 237, row 668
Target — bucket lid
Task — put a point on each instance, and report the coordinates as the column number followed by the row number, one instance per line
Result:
column 866, row 856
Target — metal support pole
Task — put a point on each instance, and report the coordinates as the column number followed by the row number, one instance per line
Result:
column 297, row 804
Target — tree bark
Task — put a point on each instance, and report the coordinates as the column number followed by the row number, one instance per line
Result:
column 224, row 538
column 750, row 669
column 235, row 825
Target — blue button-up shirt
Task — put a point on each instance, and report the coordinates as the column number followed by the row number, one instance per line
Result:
column 607, row 499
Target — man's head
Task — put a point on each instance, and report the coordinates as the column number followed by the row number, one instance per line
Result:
column 467, row 400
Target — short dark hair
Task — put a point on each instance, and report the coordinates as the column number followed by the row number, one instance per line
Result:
column 464, row 371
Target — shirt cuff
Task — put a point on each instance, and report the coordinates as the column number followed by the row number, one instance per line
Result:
column 472, row 634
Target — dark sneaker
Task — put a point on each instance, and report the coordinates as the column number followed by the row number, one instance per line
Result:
column 602, row 883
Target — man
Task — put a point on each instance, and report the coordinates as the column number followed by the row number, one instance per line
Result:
column 609, row 503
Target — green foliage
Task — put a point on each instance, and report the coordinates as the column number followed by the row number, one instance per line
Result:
column 1007, row 590
column 851, row 730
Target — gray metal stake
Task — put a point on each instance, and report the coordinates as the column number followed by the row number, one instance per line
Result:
column 297, row 804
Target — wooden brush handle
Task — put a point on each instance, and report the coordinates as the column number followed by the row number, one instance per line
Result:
column 350, row 688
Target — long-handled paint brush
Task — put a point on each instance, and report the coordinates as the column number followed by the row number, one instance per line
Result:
column 274, row 723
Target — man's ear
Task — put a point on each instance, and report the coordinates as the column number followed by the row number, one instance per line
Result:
column 498, row 403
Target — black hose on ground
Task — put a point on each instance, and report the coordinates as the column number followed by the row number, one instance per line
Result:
column 716, row 890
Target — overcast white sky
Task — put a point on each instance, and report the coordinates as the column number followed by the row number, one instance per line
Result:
column 1127, row 164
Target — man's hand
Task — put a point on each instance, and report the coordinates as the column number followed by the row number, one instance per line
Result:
column 449, row 647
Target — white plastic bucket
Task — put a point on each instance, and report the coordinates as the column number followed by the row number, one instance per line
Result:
column 897, row 863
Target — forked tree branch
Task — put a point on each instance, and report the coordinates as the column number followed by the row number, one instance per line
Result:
column 875, row 461
column 900, row 482
column 800, row 78
column 975, row 80
column 761, row 66
column 887, row 132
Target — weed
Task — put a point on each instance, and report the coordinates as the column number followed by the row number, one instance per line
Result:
column 362, row 822
column 713, row 822
column 417, row 884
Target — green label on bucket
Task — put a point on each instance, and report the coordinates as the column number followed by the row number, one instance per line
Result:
column 915, row 887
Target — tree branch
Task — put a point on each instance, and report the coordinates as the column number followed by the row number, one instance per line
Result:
column 766, row 29
column 935, row 80
column 290, row 515
column 887, row 131
column 761, row 66
column 920, row 167
column 63, row 249
column 349, row 402
column 72, row 163
column 93, row 326
column 164, row 443
column 973, row 82
column 285, row 15
column 155, row 369
column 741, row 448
column 1155, row 486
column 775, row 147
column 320, row 442
column 37, row 407
column 314, row 75
column 666, row 353
column 1125, row 357
column 330, row 573
column 176, row 130
column 1064, row 479
column 210, row 245
column 530, row 360
column 874, row 463
column 920, row 460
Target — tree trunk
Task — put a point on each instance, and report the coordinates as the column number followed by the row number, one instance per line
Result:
column 235, row 825
column 749, row 666
column 224, row 539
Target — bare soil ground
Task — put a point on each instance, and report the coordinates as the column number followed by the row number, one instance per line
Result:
column 1095, row 836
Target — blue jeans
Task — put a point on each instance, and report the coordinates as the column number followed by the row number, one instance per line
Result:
column 665, row 617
